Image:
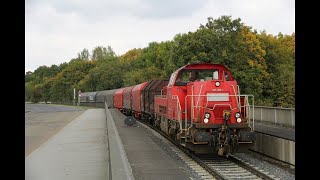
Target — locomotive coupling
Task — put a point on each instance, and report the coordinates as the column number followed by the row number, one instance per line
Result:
column 226, row 114
column 221, row 151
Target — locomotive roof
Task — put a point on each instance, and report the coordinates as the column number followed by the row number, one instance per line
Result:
column 203, row 66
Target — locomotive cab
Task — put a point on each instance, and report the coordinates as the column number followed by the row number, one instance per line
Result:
column 204, row 107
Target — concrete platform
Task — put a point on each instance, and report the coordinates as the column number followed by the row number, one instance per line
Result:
column 275, row 141
column 278, row 148
column 147, row 159
column 78, row 151
column 41, row 126
column 120, row 167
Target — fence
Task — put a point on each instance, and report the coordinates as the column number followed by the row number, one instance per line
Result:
column 274, row 115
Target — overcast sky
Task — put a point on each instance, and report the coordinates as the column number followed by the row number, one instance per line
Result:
column 56, row 30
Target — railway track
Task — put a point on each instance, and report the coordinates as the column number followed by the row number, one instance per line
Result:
column 229, row 168
column 217, row 166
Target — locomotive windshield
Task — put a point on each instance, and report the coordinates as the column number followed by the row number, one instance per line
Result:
column 191, row 75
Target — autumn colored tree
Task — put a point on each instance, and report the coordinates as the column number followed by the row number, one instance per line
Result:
column 263, row 64
column 101, row 53
column 108, row 75
column 279, row 88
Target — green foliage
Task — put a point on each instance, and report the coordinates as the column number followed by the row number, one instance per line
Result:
column 101, row 53
column 29, row 76
column 158, row 55
column 107, row 75
column 228, row 42
column 280, row 59
column 263, row 64
column 56, row 83
column 142, row 75
column 84, row 55
column 131, row 55
column 28, row 91
column 61, row 87
column 36, row 93
column 61, row 90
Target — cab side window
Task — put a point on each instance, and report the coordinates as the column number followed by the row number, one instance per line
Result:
column 226, row 76
column 182, row 78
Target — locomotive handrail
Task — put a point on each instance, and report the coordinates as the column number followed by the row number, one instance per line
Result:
column 252, row 113
column 199, row 94
column 246, row 105
column 220, row 105
column 238, row 100
column 161, row 91
column 239, row 96
column 178, row 109
column 192, row 104
column 178, row 101
column 198, row 101
column 278, row 108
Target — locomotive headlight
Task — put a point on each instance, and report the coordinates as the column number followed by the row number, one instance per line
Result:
column 237, row 115
column 207, row 115
column 206, row 120
column 217, row 83
column 239, row 120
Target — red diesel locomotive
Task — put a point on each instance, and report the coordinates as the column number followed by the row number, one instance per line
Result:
column 200, row 107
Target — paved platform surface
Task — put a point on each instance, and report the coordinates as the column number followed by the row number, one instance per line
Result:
column 147, row 159
column 277, row 131
column 42, row 121
column 44, row 108
column 78, row 151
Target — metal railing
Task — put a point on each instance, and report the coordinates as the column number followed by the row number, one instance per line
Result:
column 275, row 115
column 250, row 117
column 264, row 114
column 178, row 109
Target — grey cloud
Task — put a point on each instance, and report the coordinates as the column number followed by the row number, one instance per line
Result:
column 170, row 9
column 57, row 30
column 97, row 10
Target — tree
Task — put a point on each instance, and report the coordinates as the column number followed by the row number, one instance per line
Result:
column 61, row 90
column 263, row 64
column 142, row 75
column 279, row 89
column 107, row 75
column 131, row 55
column 100, row 53
column 28, row 91
column 84, row 55
column 29, row 76
column 36, row 93
column 228, row 42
